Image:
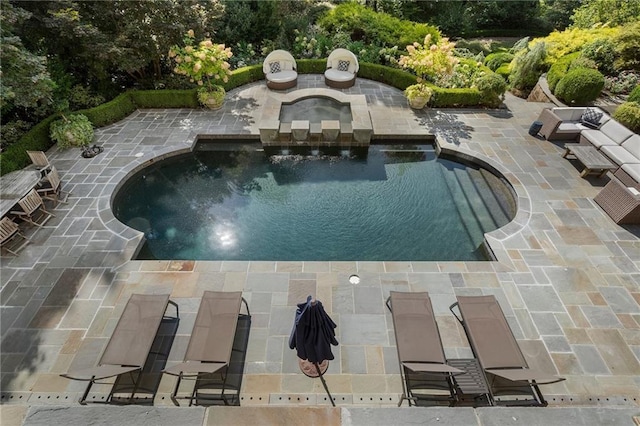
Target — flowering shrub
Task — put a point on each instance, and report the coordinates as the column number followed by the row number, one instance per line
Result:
column 465, row 74
column 429, row 60
column 205, row 63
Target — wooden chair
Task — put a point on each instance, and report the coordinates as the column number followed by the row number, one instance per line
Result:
column 40, row 160
column 11, row 239
column 33, row 210
column 52, row 189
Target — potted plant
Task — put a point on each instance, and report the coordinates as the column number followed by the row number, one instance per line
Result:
column 74, row 130
column 206, row 64
column 418, row 95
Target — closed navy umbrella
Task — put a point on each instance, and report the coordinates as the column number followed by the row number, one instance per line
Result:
column 312, row 336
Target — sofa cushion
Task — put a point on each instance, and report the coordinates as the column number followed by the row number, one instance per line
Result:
column 632, row 170
column 619, row 155
column 615, row 131
column 597, row 138
column 274, row 67
column 632, row 145
column 335, row 75
column 282, row 76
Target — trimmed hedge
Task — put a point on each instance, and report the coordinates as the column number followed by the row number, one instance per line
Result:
column 495, row 60
column 628, row 114
column 504, row 70
column 37, row 139
column 580, row 86
column 559, row 69
column 634, row 96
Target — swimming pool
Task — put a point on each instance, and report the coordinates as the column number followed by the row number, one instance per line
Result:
column 397, row 203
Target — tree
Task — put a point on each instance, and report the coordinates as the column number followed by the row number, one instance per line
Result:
column 25, row 81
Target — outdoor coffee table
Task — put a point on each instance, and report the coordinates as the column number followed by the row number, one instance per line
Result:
column 590, row 157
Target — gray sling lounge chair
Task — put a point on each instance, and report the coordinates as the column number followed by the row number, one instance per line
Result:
column 510, row 379
column 211, row 342
column 423, row 366
column 130, row 343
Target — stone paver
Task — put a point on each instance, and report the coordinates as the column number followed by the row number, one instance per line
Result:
column 567, row 277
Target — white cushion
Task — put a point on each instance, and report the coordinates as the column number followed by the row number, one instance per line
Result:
column 615, row 131
column 619, row 155
column 633, row 146
column 341, row 76
column 282, row 76
column 632, row 170
column 597, row 138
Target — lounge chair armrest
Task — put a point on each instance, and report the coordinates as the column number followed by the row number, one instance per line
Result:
column 430, row 367
column 193, row 368
column 454, row 305
column 100, row 372
column 525, row 374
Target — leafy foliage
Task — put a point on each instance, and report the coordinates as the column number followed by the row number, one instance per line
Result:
column 363, row 24
column 559, row 69
column 496, row 60
column 492, row 87
column 628, row 114
column 622, row 83
column 612, row 12
column 74, row 130
column 527, row 67
column 561, row 43
column 627, row 43
column 603, row 52
column 580, row 86
column 634, row 96
column 428, row 59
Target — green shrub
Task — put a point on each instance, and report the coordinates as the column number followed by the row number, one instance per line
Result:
column 492, row 87
column 364, row 24
column 580, row 86
column 71, row 130
column 164, row 98
column 455, row 98
column 628, row 114
column 561, row 43
column 603, row 53
column 634, row 96
column 627, row 44
column 496, row 60
column 244, row 75
column 559, row 69
column 37, row 139
column 583, row 62
column 392, row 76
column 504, row 71
column 311, row 66
column 110, row 112
column 527, row 67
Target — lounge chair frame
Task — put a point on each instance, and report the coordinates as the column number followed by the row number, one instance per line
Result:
column 287, row 63
column 423, row 365
column 494, row 345
column 130, row 343
column 208, row 355
column 332, row 63
column 11, row 238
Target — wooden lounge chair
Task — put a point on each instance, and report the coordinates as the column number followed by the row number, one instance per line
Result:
column 342, row 67
column 279, row 69
column 130, row 343
column 510, row 379
column 423, row 366
column 33, row 210
column 11, row 239
column 209, row 350
column 52, row 188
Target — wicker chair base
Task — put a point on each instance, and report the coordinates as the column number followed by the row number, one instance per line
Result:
column 282, row 86
column 619, row 203
column 340, row 84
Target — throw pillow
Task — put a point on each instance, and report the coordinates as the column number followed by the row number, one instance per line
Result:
column 343, row 65
column 274, row 67
column 591, row 118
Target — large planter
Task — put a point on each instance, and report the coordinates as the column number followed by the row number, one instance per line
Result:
column 212, row 98
column 418, row 102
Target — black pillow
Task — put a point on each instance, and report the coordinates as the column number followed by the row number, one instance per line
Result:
column 591, row 118
column 274, row 67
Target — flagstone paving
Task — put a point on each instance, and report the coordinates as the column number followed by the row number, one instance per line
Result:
column 567, row 277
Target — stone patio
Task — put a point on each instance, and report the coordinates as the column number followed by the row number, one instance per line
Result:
column 567, row 277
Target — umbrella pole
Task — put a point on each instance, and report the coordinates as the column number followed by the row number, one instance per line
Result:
column 324, row 384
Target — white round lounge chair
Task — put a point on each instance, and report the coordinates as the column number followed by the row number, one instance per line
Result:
column 279, row 69
column 342, row 67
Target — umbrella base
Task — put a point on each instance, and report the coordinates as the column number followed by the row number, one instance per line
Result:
column 309, row 368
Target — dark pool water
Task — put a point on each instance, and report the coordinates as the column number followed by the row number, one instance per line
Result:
column 242, row 205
